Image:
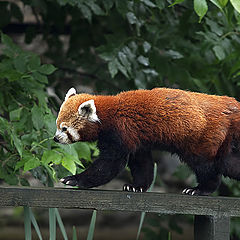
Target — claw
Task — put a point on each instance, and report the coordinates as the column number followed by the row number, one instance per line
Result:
column 188, row 191
column 191, row 191
column 130, row 188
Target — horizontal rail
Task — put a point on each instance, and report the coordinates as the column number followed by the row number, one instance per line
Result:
column 119, row 200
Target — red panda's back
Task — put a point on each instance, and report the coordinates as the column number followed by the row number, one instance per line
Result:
column 175, row 117
column 160, row 114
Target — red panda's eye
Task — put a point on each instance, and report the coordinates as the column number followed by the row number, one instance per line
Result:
column 64, row 129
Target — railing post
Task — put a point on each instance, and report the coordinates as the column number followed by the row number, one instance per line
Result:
column 211, row 228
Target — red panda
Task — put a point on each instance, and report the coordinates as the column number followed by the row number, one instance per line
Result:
column 203, row 130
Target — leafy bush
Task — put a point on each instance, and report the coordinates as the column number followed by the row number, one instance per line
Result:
column 26, row 122
column 112, row 45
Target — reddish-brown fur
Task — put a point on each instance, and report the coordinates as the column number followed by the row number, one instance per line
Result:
column 199, row 126
column 195, row 122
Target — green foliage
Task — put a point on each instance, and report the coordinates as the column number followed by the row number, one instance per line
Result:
column 161, row 226
column 112, row 45
column 92, row 226
column 27, row 123
column 28, row 220
column 54, row 220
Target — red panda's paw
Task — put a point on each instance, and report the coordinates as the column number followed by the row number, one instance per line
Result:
column 70, row 180
column 191, row 191
column 195, row 191
column 131, row 188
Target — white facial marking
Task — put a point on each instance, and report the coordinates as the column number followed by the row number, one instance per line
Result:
column 88, row 109
column 71, row 91
column 62, row 136
column 74, row 133
column 61, row 125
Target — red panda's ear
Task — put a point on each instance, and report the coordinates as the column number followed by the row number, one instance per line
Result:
column 88, row 110
column 71, row 92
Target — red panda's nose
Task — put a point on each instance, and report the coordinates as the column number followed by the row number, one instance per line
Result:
column 56, row 139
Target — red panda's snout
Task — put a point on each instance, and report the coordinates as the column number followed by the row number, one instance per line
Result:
column 66, row 135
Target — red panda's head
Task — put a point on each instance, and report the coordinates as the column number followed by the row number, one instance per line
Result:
column 77, row 119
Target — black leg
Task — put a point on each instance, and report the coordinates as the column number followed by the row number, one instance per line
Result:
column 113, row 158
column 141, row 166
column 208, row 180
column 231, row 167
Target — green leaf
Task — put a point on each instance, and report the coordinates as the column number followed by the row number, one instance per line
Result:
column 60, row 223
column 94, row 149
column 214, row 26
column 92, row 226
column 40, row 77
column 17, row 143
column 8, row 178
column 148, row 3
column 143, row 60
column 108, row 4
column 74, row 235
column 27, row 223
column 71, row 151
column 201, row 8
column 70, row 157
column 32, row 163
column 220, row 3
column 86, row 12
column 176, row 2
column 11, row 75
column 146, row 46
column 94, row 7
column 50, row 123
column 236, row 5
column 223, row 2
column 51, row 156
column 219, row 52
column 35, row 225
column 34, row 63
column 160, row 4
column 20, row 63
column 52, row 223
column 15, row 114
column 11, row 47
column 4, row 125
column 69, row 164
column 125, row 62
column 132, row 19
column 37, row 117
column 121, row 68
column 173, row 54
column 83, row 150
column 107, row 56
column 113, row 68
column 41, row 96
column 47, row 69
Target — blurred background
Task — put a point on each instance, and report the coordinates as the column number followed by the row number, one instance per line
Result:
column 105, row 47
